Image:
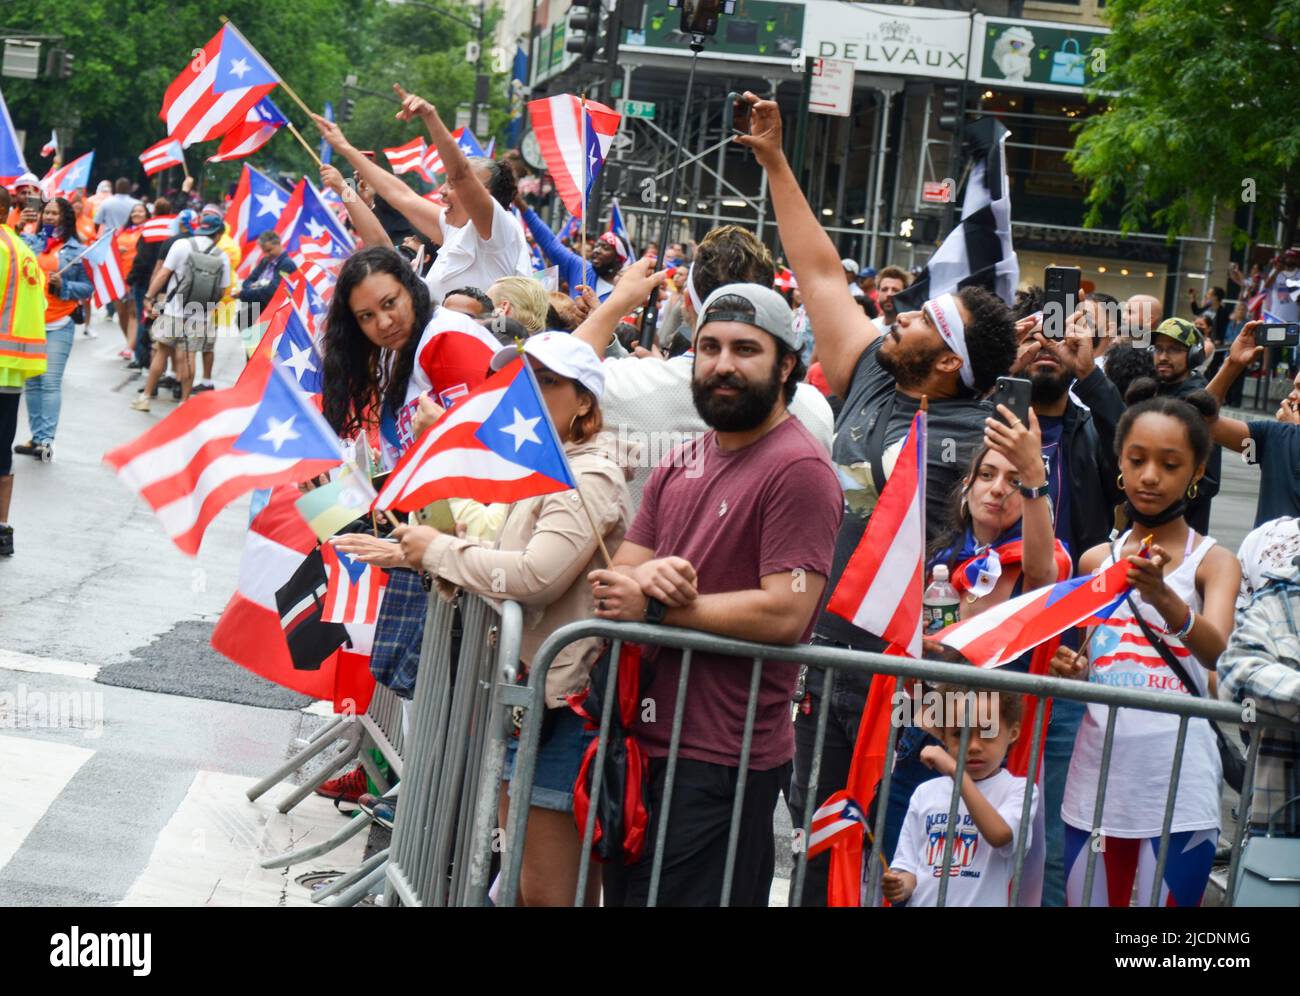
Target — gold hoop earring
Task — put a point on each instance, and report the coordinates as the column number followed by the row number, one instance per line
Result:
column 1191, row 491
column 572, row 422
column 1119, row 480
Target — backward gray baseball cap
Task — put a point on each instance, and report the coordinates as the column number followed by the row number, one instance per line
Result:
column 754, row 305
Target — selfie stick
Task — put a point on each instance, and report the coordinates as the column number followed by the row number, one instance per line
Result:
column 650, row 316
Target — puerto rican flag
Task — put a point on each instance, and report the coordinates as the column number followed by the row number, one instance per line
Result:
column 574, row 140
column 159, row 228
column 50, row 148
column 222, row 444
column 250, row 632
column 1003, row 632
column 305, row 215
column 355, row 588
column 162, row 155
column 880, row 589
column 256, row 207
column 67, row 179
column 431, row 164
column 408, row 158
column 259, row 126
column 217, row 88
column 839, row 815
column 496, row 445
column 105, row 270
column 12, row 163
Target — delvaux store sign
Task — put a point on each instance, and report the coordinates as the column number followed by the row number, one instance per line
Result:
column 903, row 41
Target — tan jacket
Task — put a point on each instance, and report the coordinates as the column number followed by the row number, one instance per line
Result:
column 541, row 558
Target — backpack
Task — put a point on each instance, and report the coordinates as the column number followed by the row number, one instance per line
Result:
column 202, row 282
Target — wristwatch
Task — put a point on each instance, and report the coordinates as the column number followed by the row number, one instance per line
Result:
column 1039, row 492
column 655, row 611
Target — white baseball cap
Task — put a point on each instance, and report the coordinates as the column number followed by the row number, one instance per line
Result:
column 563, row 354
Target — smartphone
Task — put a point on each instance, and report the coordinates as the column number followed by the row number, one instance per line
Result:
column 32, row 204
column 700, row 17
column 1060, row 298
column 739, row 113
column 1279, row 334
column 1014, row 393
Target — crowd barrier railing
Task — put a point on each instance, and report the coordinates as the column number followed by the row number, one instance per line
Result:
column 530, row 699
column 443, row 834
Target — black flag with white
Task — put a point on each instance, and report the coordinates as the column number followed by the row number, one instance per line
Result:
column 978, row 251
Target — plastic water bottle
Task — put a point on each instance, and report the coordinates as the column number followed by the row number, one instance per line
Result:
column 940, row 601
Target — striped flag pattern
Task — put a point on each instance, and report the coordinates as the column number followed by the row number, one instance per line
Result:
column 159, row 228
column 187, row 468
column 355, row 588
column 558, row 122
column 105, row 270
column 162, row 155
column 216, row 89
column 408, row 158
column 880, row 589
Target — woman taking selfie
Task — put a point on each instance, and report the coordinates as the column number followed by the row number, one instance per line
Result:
column 57, row 247
column 1165, row 637
column 541, row 558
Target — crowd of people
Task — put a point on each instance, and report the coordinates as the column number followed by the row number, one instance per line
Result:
column 730, row 469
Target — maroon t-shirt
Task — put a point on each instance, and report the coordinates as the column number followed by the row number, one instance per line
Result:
column 737, row 516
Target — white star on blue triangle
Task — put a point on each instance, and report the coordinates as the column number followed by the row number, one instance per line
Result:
column 286, row 425
column 297, row 354
column 519, row 429
column 355, row 568
column 594, row 158
column 239, row 66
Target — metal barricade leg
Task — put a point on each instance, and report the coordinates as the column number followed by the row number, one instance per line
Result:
column 742, row 773
column 294, row 796
column 1099, row 806
column 1163, row 854
column 362, row 870
column 670, row 776
column 1243, row 816
column 320, row 741
column 1026, row 809
column 811, row 796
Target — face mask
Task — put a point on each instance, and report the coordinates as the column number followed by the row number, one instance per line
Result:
column 1160, row 518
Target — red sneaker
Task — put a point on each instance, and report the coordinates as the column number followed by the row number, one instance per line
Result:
column 346, row 788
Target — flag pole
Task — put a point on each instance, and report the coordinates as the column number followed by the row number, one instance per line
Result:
column 184, row 168
column 582, row 110
column 595, row 529
column 287, row 89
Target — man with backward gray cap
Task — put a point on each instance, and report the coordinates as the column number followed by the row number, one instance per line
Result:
column 741, row 548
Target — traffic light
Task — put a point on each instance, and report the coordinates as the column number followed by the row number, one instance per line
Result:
column 59, row 63
column 950, row 108
column 584, row 29
column 346, row 106
column 920, row 229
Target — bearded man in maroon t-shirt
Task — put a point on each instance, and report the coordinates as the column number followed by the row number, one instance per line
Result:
column 734, row 536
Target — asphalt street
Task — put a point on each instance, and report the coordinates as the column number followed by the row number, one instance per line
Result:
column 123, row 798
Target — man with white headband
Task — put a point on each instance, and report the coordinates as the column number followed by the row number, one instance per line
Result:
column 951, row 353
column 648, row 400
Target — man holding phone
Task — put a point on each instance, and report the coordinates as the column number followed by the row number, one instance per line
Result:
column 1273, row 445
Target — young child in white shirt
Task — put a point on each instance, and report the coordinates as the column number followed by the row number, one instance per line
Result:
column 988, row 814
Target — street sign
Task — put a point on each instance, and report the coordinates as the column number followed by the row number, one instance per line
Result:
column 643, row 109
column 22, row 59
column 938, row 191
column 622, row 142
column 832, row 87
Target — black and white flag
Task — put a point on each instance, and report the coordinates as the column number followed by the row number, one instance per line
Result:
column 978, row 251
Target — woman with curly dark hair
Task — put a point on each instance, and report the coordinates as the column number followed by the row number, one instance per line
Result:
column 386, row 345
column 57, row 247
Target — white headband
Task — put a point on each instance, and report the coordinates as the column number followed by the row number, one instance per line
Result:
column 692, row 293
column 943, row 312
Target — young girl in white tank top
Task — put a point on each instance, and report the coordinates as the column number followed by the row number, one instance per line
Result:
column 1186, row 598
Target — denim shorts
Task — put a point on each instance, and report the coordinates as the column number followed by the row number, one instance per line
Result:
column 558, row 761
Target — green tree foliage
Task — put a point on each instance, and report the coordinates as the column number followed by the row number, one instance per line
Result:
column 128, row 52
column 1204, row 108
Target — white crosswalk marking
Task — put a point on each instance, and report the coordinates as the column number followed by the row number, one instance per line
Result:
column 35, row 772
column 209, row 852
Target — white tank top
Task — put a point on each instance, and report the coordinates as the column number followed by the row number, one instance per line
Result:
column 1143, row 753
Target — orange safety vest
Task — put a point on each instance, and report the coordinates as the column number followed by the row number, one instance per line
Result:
column 22, row 307
column 56, row 308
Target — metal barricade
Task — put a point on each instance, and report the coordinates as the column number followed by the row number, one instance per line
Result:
column 531, row 699
column 352, row 737
column 453, row 768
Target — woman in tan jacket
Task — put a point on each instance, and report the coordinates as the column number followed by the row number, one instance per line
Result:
column 541, row 558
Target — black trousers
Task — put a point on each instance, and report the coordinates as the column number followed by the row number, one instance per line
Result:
column 8, row 429
column 695, row 851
